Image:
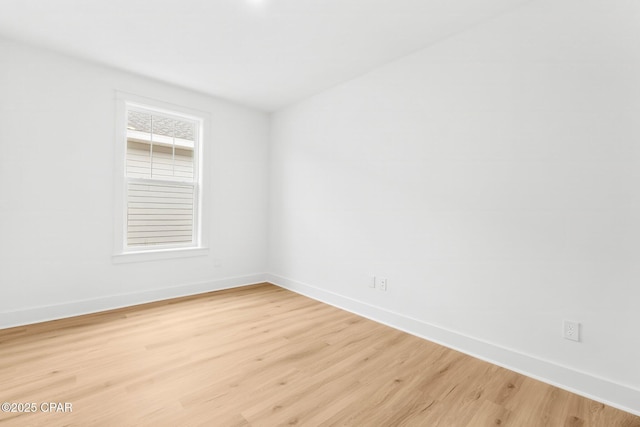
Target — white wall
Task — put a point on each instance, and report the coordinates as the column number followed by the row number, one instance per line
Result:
column 57, row 137
column 493, row 178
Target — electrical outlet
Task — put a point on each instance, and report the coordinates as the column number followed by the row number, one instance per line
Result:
column 381, row 283
column 571, row 330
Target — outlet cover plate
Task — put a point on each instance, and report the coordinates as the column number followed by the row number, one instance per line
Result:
column 571, row 330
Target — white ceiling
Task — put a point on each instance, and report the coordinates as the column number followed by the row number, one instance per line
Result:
column 262, row 53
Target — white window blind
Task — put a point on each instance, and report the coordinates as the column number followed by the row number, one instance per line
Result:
column 161, row 177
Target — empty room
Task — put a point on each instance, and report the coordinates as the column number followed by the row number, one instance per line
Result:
column 360, row 213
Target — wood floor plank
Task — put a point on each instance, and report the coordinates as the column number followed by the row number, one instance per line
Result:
column 263, row 356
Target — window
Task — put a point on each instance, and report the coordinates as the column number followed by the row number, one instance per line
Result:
column 159, row 179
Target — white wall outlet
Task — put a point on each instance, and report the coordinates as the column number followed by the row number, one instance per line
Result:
column 571, row 330
column 381, row 283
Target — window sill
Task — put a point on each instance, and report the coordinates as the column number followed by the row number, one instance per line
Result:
column 155, row 255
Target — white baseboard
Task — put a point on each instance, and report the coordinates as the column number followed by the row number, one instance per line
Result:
column 608, row 392
column 76, row 308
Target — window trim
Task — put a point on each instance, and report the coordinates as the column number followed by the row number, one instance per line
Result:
column 122, row 253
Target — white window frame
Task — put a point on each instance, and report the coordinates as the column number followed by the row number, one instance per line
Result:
column 199, row 246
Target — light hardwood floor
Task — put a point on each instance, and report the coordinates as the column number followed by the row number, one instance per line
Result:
column 264, row 356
